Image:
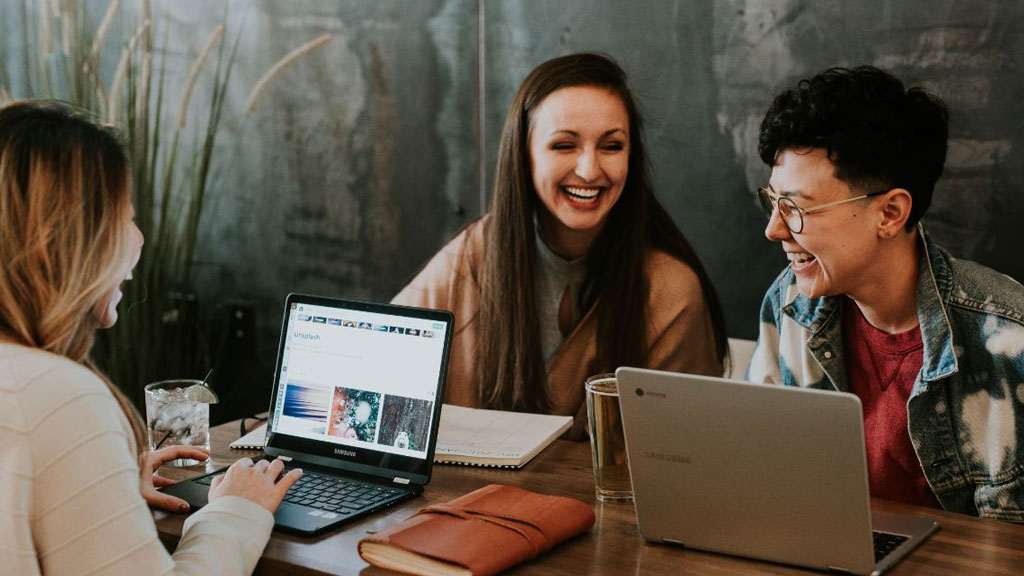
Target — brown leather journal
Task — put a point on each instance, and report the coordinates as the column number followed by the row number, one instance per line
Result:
column 481, row 533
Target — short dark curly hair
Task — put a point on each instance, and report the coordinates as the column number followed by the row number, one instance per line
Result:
column 878, row 134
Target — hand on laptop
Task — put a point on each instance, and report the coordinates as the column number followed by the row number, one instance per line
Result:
column 257, row 482
column 149, row 481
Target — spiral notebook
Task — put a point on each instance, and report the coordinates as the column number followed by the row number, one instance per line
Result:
column 494, row 438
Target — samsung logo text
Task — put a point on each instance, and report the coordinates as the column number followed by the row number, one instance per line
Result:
column 676, row 458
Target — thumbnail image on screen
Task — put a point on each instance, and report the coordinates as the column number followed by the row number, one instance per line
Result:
column 354, row 414
column 304, row 402
column 404, row 422
column 307, row 403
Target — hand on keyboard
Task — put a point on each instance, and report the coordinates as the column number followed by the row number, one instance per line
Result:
column 261, row 482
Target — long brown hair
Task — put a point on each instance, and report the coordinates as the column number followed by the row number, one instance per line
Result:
column 510, row 366
column 64, row 199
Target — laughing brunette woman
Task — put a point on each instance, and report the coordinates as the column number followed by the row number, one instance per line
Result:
column 576, row 269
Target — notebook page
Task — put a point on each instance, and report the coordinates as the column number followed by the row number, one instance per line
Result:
column 251, row 441
column 494, row 434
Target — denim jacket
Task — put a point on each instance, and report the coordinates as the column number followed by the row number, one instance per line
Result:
column 965, row 414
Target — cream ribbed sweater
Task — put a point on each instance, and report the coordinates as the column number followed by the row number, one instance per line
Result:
column 69, row 485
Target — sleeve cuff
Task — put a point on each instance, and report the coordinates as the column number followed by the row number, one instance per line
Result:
column 237, row 528
column 238, row 509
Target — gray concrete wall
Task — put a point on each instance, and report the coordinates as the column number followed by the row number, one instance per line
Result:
column 365, row 158
column 358, row 164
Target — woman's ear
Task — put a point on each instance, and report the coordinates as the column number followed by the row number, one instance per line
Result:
column 895, row 210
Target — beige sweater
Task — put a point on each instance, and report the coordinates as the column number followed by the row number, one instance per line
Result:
column 69, row 485
column 679, row 333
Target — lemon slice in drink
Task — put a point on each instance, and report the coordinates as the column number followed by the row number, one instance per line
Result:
column 201, row 393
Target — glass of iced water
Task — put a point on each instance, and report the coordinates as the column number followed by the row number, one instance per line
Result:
column 178, row 414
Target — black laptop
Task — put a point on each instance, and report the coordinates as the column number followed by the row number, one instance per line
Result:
column 356, row 404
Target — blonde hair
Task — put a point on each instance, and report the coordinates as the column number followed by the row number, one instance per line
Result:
column 64, row 197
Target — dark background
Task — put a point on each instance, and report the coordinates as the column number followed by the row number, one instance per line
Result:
column 368, row 156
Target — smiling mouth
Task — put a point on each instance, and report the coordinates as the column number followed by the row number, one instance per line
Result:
column 800, row 260
column 582, row 195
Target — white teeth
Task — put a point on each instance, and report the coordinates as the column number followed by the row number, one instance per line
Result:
column 583, row 194
column 799, row 257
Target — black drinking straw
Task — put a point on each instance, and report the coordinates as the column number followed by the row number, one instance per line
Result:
column 161, row 442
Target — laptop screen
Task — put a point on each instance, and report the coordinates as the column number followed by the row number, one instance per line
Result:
column 359, row 383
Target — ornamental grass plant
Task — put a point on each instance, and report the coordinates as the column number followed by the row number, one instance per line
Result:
column 158, row 334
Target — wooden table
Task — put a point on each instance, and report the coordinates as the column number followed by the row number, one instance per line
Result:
column 963, row 544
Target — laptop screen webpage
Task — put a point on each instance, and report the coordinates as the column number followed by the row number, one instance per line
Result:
column 361, row 383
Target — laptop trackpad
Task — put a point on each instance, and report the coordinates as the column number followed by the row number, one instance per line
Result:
column 196, row 494
column 291, row 516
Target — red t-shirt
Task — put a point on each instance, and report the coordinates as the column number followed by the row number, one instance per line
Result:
column 881, row 369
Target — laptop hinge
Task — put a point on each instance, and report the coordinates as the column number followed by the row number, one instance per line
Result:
column 400, row 480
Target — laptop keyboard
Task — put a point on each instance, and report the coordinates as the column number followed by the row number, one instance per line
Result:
column 332, row 494
column 340, row 495
column 886, row 543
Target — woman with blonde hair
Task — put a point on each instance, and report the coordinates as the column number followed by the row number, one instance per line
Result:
column 74, row 477
column 576, row 268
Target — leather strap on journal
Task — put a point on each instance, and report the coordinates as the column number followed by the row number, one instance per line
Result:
column 490, row 529
column 532, row 535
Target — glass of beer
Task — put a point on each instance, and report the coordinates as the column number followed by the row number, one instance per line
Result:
column 607, row 442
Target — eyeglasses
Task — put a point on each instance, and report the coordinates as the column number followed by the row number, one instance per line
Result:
column 792, row 214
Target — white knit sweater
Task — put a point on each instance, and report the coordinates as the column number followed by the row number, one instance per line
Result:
column 69, row 485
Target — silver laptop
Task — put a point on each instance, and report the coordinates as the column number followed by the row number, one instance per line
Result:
column 768, row 472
